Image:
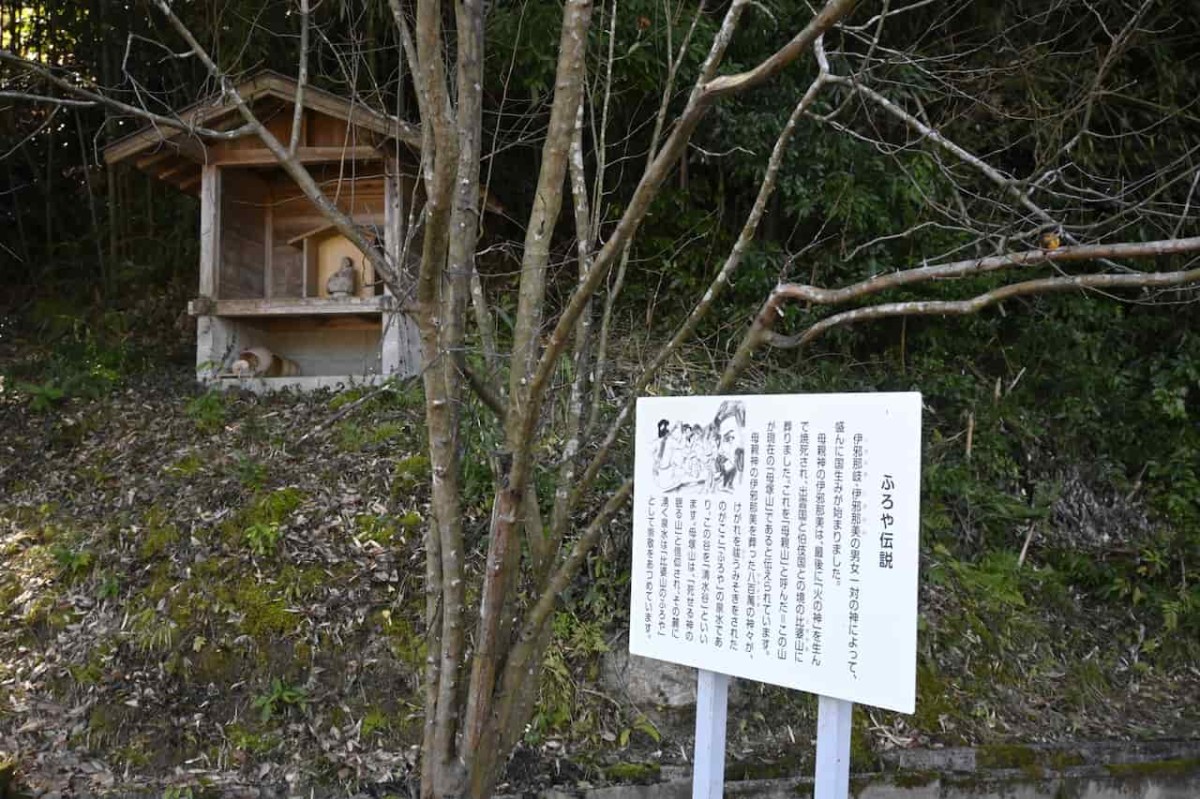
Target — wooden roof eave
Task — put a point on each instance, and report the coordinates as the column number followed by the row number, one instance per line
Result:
column 208, row 113
column 178, row 167
column 321, row 231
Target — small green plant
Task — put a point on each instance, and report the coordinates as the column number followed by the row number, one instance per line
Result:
column 410, row 522
column 254, row 429
column 259, row 525
column 277, row 505
column 254, row 743
column 263, row 538
column 160, row 534
column 385, row 530
column 187, row 466
column 250, row 473
column 575, row 647
column 397, row 394
column 110, row 587
column 88, row 357
column 353, row 436
column 151, row 633
column 208, row 411
column 74, row 562
column 42, row 396
column 374, row 721
column 280, row 698
column 640, row 724
column 297, row 584
column 410, row 473
column 346, row 397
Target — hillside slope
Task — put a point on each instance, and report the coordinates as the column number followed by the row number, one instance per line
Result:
column 200, row 589
column 186, row 586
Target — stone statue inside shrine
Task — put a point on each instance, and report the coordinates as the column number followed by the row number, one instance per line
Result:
column 341, row 284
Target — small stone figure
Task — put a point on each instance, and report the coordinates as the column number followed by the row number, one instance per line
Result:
column 261, row 362
column 341, row 283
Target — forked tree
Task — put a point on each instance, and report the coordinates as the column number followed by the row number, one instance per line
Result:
column 1055, row 224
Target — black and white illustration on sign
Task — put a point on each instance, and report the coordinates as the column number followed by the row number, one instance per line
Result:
column 699, row 457
column 775, row 539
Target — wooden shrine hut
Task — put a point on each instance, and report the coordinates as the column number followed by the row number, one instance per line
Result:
column 268, row 314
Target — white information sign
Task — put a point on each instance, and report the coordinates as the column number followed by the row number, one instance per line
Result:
column 776, row 539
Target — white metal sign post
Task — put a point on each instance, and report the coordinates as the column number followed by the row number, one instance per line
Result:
column 833, row 748
column 776, row 539
column 708, row 772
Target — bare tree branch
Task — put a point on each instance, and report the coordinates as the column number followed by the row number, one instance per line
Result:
column 614, row 290
column 978, row 266
column 761, row 332
column 38, row 98
column 301, row 79
column 767, row 69
column 639, row 204
column 716, row 287
column 1047, row 285
column 95, row 96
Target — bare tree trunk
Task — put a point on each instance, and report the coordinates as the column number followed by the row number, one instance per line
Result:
column 91, row 201
column 499, row 575
column 441, row 334
column 48, row 196
column 22, row 241
column 464, row 224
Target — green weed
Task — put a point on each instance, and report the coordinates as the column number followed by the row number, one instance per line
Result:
column 250, row 473
column 354, row 436
column 574, row 649
column 263, row 538
column 152, row 633
column 160, row 535
column 187, row 466
column 74, row 562
column 373, row 722
column 43, row 397
column 209, row 411
column 251, row 742
column 411, row 473
column 110, row 587
column 275, row 507
column 279, row 699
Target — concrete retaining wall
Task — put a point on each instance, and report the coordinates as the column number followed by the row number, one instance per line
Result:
column 1121, row 770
